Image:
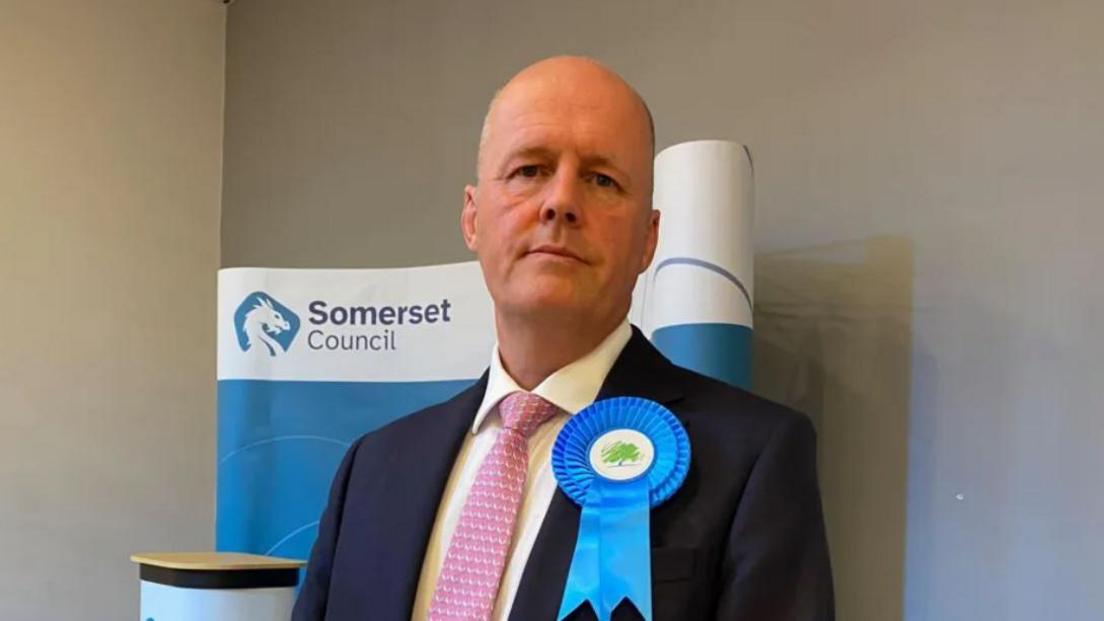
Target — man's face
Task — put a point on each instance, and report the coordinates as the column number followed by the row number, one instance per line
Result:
column 561, row 219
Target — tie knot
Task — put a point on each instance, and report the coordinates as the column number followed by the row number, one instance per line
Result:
column 524, row 412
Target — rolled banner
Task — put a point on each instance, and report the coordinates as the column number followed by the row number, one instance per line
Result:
column 699, row 290
column 617, row 458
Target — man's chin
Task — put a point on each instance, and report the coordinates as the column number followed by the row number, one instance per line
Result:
column 548, row 303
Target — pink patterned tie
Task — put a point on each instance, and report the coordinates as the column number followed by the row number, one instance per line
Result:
column 468, row 584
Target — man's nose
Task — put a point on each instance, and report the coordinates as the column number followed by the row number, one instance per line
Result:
column 562, row 201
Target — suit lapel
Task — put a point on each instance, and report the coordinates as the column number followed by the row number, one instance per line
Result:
column 419, row 478
column 640, row 371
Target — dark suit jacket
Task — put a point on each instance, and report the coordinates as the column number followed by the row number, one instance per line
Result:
column 743, row 538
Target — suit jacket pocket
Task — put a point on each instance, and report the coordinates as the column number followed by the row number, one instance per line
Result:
column 670, row 564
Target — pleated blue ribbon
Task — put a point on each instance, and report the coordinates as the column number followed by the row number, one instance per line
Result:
column 612, row 560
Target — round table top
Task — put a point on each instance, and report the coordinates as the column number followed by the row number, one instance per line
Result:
column 228, row 561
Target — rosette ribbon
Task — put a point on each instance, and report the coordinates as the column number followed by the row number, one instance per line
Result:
column 612, row 560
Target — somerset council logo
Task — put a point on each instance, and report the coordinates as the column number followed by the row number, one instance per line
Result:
column 264, row 325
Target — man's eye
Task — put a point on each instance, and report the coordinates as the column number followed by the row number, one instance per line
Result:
column 604, row 181
column 529, row 170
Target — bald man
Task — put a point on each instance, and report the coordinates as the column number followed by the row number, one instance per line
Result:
column 562, row 223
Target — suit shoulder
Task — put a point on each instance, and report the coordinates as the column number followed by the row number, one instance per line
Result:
column 728, row 405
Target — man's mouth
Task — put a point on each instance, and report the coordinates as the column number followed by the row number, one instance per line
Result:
column 558, row 251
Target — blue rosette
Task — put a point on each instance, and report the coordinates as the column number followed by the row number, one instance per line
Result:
column 617, row 459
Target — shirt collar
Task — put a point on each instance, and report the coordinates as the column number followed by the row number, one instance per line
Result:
column 571, row 388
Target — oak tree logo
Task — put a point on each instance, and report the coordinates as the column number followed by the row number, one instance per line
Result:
column 620, row 453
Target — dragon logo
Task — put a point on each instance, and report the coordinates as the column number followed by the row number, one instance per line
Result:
column 265, row 326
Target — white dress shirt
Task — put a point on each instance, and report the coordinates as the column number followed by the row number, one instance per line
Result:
column 571, row 388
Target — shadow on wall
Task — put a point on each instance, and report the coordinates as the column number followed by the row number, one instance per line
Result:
column 833, row 332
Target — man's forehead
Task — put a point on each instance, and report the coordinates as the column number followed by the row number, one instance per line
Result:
column 584, row 94
column 549, row 119
column 531, row 136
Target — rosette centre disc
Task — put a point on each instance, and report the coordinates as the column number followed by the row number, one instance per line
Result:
column 622, row 454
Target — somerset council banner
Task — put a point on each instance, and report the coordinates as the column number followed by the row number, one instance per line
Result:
column 308, row 361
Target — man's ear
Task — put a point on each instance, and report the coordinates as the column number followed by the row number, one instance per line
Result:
column 467, row 218
column 651, row 241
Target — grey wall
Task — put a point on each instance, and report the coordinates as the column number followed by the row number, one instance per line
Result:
column 110, row 165
column 928, row 225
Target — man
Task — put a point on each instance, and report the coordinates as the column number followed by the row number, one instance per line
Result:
column 471, row 525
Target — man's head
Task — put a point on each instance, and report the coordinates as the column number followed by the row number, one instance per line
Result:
column 561, row 218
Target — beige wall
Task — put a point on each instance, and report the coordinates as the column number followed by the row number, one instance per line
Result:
column 110, row 162
column 928, row 235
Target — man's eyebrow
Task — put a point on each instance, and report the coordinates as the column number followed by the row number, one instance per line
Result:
column 528, row 152
column 604, row 161
column 544, row 153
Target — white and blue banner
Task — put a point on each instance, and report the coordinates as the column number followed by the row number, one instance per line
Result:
column 695, row 302
column 309, row 360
